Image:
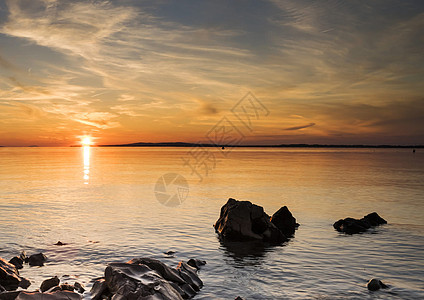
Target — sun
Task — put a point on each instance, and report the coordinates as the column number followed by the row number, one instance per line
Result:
column 86, row 141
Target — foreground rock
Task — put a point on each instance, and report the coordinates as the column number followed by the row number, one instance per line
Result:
column 59, row 295
column 244, row 221
column 9, row 277
column 147, row 278
column 376, row 284
column 49, row 283
column 352, row 226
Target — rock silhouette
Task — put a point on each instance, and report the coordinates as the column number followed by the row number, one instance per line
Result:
column 352, row 226
column 244, row 221
column 9, row 277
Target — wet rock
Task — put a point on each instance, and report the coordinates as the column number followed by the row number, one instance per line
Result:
column 23, row 256
column 2, row 289
column 9, row 277
column 148, row 278
column 67, row 287
column 163, row 270
column 79, row 287
column 189, row 274
column 238, row 298
column 59, row 295
column 132, row 281
column 49, row 283
column 99, row 289
column 284, row 221
column 17, row 262
column 244, row 221
column 352, row 226
column 9, row 295
column 376, row 284
column 37, row 260
column 196, row 263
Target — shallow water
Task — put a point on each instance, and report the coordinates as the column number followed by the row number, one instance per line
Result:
column 101, row 202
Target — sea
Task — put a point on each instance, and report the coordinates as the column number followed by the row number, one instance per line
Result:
column 112, row 204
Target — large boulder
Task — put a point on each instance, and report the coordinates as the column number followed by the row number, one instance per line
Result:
column 99, row 289
column 352, row 226
column 244, row 221
column 59, row 295
column 9, row 277
column 284, row 221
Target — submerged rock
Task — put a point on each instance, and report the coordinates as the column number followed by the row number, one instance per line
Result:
column 244, row 221
column 9, row 277
column 352, row 226
column 376, row 284
column 37, row 259
column 49, row 283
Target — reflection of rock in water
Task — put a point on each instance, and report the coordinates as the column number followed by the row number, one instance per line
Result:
column 250, row 253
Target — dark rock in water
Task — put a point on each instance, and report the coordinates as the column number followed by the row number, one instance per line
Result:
column 79, row 287
column 131, row 281
column 169, row 253
column 148, row 278
column 163, row 270
column 98, row 289
column 37, row 259
column 59, row 295
column 9, row 277
column 17, row 262
column 196, row 263
column 239, row 298
column 244, row 221
column 49, row 283
column 189, row 274
column 67, row 287
column 9, row 295
column 376, row 284
column 352, row 226
column 59, row 243
column 284, row 221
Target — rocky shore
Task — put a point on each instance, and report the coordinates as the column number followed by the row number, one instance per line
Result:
column 148, row 279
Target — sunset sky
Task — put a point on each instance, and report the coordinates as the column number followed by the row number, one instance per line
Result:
column 329, row 72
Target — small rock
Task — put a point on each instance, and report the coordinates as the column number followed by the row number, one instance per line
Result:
column 17, row 262
column 23, row 256
column 79, row 287
column 239, row 298
column 284, row 221
column 59, row 243
column 196, row 263
column 169, row 253
column 37, row 260
column 49, row 283
column 376, row 284
column 66, row 287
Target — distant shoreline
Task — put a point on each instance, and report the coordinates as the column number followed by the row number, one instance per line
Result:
column 181, row 144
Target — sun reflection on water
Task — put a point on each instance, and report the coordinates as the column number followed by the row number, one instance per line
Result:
column 86, row 155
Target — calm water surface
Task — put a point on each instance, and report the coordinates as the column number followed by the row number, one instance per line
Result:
column 101, row 202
